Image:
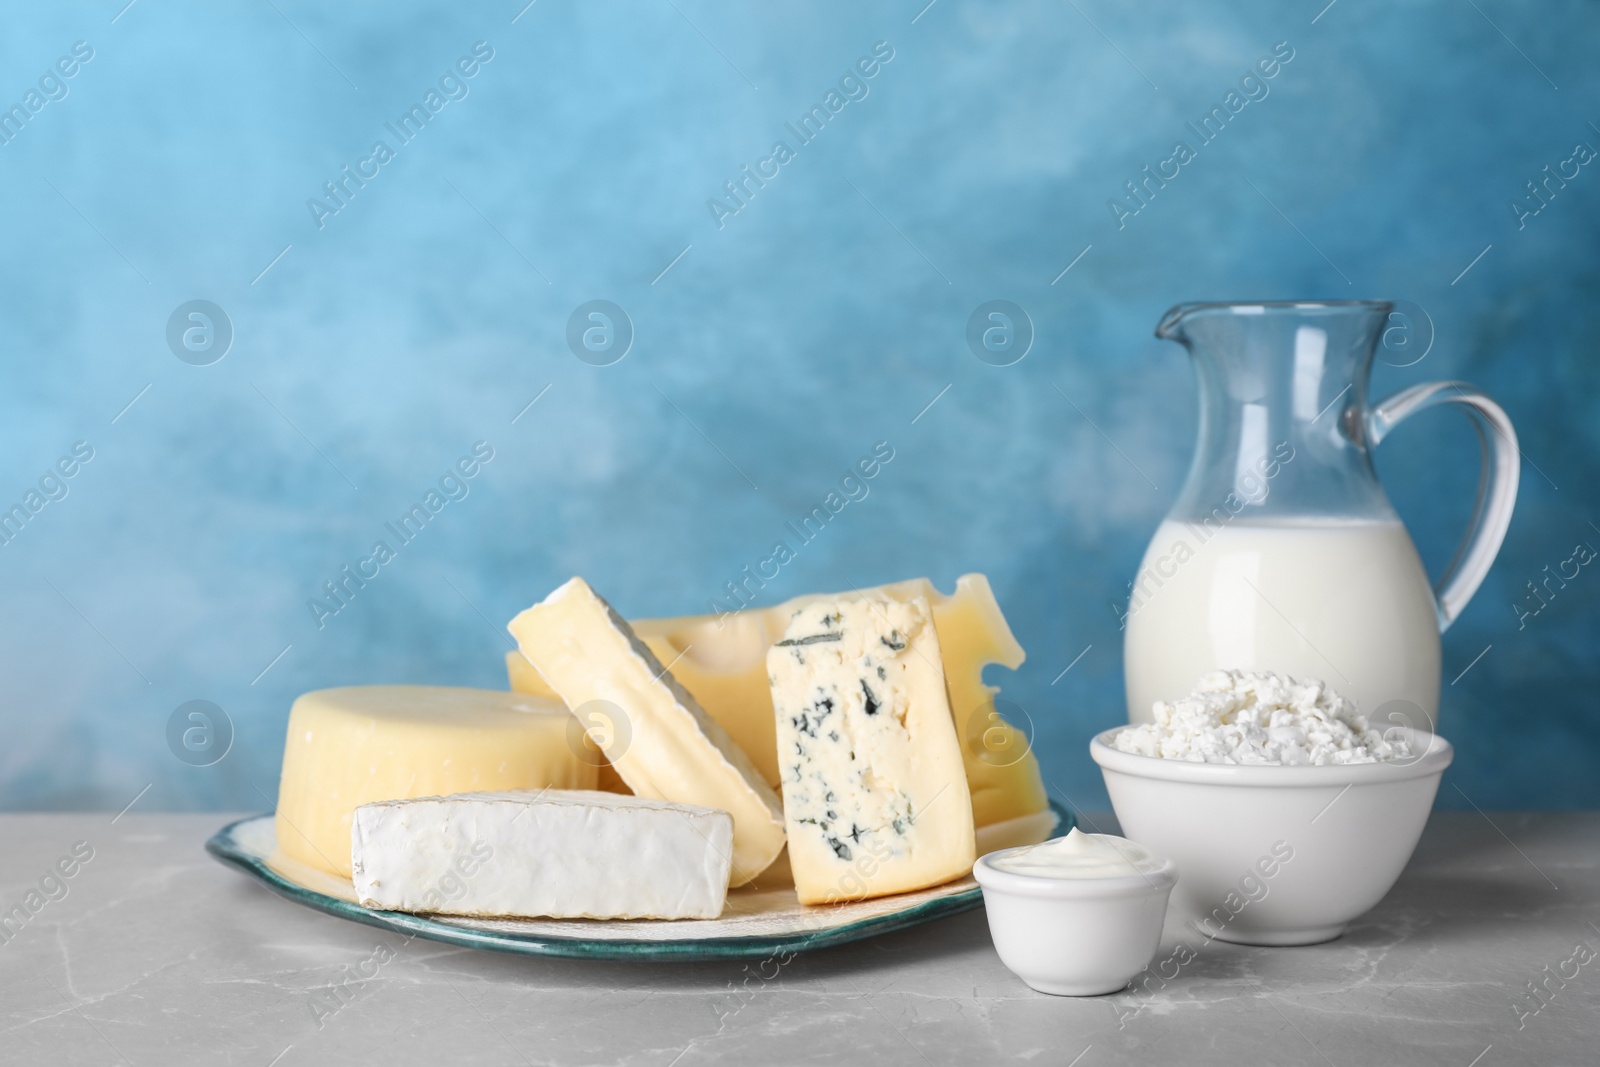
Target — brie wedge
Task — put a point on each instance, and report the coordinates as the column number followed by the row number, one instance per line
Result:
column 562, row 854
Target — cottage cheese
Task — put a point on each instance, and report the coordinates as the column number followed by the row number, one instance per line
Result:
column 1238, row 717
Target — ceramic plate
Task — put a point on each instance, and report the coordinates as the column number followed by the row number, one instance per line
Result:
column 758, row 921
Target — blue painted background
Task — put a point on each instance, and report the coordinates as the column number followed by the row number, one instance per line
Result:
column 373, row 351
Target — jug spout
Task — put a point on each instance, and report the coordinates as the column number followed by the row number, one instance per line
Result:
column 1170, row 328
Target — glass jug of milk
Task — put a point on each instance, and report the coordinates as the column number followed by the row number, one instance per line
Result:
column 1282, row 552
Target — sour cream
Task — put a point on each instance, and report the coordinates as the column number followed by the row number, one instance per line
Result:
column 1080, row 855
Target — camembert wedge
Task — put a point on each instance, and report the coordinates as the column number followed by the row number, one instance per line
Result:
column 656, row 735
column 874, row 792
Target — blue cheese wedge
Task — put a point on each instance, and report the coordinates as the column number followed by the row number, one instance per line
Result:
column 875, row 797
column 564, row 854
column 665, row 746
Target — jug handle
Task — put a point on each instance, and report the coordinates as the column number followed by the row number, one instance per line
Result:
column 1497, row 482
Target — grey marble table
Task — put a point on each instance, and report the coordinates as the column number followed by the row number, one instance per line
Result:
column 153, row 953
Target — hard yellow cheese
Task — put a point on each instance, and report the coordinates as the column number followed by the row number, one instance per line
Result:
column 723, row 663
column 657, row 736
column 359, row 744
column 874, row 792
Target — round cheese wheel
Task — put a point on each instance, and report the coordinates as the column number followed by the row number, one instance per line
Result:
column 357, row 744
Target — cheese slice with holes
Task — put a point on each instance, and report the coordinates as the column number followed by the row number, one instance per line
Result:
column 357, row 744
column 874, row 791
column 654, row 733
column 722, row 660
column 551, row 853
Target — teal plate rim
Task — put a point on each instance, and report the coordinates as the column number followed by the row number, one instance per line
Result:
column 225, row 848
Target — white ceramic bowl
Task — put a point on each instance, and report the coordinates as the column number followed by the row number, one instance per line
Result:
column 1276, row 855
column 1074, row 937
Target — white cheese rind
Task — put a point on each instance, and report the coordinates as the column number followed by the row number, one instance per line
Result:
column 874, row 788
column 552, row 854
column 667, row 747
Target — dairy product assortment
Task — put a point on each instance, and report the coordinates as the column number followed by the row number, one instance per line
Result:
column 1240, row 717
column 855, row 729
column 842, row 744
column 844, row 747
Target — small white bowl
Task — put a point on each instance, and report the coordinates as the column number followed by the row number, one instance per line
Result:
column 1275, row 855
column 1075, row 937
